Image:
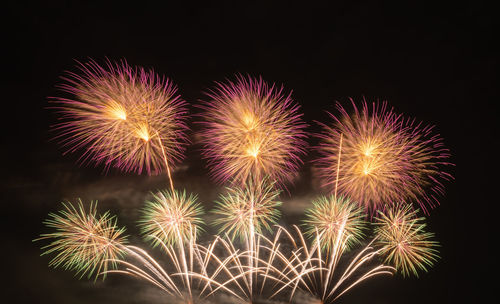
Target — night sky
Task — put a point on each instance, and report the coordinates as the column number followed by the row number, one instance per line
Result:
column 436, row 63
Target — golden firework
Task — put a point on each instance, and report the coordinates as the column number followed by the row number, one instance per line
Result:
column 124, row 117
column 330, row 214
column 378, row 157
column 252, row 130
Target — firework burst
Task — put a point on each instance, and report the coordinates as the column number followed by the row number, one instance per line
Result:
column 385, row 158
column 252, row 130
column 403, row 240
column 246, row 210
column 329, row 214
column 170, row 217
column 120, row 116
column 84, row 242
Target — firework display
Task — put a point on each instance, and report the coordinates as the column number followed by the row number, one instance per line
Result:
column 121, row 116
column 252, row 130
column 375, row 163
column 385, row 157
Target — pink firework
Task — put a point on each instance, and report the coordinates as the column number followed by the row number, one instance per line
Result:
column 378, row 157
column 251, row 129
column 119, row 116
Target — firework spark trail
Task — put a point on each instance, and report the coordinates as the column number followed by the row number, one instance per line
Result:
column 172, row 218
column 233, row 270
column 228, row 270
column 190, row 260
column 154, row 273
column 186, row 257
column 83, row 241
column 403, row 240
column 305, row 265
column 338, row 166
column 385, row 158
column 157, row 275
column 245, row 211
column 251, row 129
column 165, row 159
column 121, row 116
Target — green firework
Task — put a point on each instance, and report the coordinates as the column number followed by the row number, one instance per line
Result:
column 332, row 217
column 84, row 241
column 247, row 208
column 170, row 217
column 403, row 241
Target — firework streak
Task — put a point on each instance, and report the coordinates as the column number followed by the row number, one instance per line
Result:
column 86, row 242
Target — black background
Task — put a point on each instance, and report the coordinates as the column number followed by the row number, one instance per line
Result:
column 433, row 62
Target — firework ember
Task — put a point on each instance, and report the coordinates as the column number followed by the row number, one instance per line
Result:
column 120, row 116
column 252, row 130
column 384, row 158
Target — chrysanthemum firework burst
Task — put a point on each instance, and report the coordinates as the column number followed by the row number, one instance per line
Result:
column 403, row 241
column 84, row 241
column 384, row 158
column 252, row 129
column 120, row 116
column 249, row 209
column 330, row 214
column 171, row 217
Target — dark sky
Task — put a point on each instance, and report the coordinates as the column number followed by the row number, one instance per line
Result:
column 433, row 62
